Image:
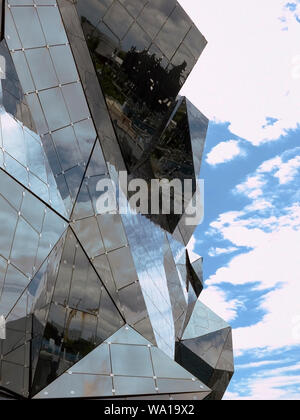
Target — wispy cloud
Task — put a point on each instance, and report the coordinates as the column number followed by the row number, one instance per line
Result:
column 275, row 388
column 270, row 228
column 288, row 171
column 284, row 168
column 216, row 252
column 263, row 363
column 268, row 384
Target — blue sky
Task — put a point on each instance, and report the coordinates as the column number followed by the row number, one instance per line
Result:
column 248, row 83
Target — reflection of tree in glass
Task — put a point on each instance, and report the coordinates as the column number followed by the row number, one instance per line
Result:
column 172, row 156
column 134, row 76
column 152, row 84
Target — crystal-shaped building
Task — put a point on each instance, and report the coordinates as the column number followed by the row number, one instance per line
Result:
column 100, row 305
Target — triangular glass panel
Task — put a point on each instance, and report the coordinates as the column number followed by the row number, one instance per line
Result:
column 218, row 384
column 120, row 367
column 226, row 361
column 164, row 367
column 203, row 321
column 176, row 291
column 196, row 274
column 86, row 202
column 209, row 347
column 12, row 99
column 127, row 335
column 15, row 378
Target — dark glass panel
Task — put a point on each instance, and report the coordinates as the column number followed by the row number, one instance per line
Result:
column 103, row 269
column 209, row 347
column 173, row 32
column 118, row 19
column 134, row 307
column 112, row 231
column 137, row 37
column 219, row 383
column 226, row 361
column 13, row 377
column 51, row 359
column 155, row 14
column 93, row 10
column 87, row 231
column 139, row 90
column 79, row 336
column 122, row 267
column 85, row 288
column 109, row 320
column 134, row 6
column 195, row 42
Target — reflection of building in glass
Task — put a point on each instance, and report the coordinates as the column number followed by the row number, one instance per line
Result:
column 100, row 305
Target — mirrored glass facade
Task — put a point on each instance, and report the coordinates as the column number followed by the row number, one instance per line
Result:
column 100, row 304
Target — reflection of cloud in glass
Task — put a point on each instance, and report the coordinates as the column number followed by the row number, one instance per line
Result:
column 24, row 158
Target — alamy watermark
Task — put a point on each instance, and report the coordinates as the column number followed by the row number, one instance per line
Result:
column 155, row 197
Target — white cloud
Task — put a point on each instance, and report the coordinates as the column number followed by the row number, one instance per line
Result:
column 225, row 152
column 215, row 298
column 259, row 205
column 279, row 371
column 215, row 252
column 285, row 167
column 288, row 170
column 250, row 69
column 269, row 165
column 270, row 227
column 252, row 187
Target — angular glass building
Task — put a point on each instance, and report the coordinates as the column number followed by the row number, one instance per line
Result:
column 100, row 305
